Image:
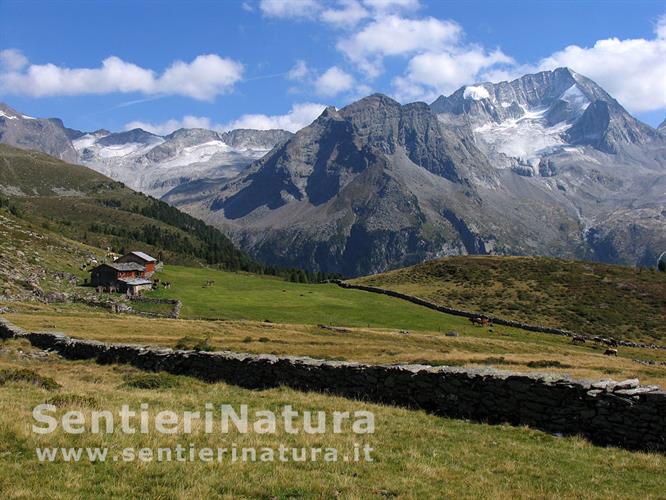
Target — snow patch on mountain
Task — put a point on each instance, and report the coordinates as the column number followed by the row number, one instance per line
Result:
column 526, row 138
column 155, row 165
column 576, row 99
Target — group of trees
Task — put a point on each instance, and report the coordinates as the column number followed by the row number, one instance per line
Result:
column 201, row 241
column 13, row 209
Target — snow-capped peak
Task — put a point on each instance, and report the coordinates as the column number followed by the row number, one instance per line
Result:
column 476, row 92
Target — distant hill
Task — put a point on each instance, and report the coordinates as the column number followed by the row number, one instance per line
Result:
column 85, row 206
column 585, row 297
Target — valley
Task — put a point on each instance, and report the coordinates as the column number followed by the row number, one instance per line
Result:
column 333, row 249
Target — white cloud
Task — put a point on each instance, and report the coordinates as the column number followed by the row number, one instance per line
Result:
column 350, row 13
column 383, row 6
column 431, row 74
column 393, row 36
column 333, row 81
column 632, row 71
column 660, row 28
column 12, row 59
column 299, row 72
column 299, row 116
column 289, row 8
column 170, row 125
column 204, row 78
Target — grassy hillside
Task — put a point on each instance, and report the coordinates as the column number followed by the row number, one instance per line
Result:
column 29, row 255
column 82, row 205
column 586, row 297
column 415, row 455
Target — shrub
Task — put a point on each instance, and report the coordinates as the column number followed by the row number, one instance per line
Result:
column 150, row 381
column 29, row 376
column 544, row 363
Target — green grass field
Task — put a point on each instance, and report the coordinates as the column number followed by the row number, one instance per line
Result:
column 247, row 296
column 416, row 455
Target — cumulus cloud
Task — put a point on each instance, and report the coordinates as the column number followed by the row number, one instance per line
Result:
column 299, row 116
column 333, row 81
column 289, row 8
column 432, row 74
column 633, row 71
column 169, row 126
column 204, row 78
column 383, row 6
column 348, row 15
column 299, row 72
column 12, row 59
column 393, row 36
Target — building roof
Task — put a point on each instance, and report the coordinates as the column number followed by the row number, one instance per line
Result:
column 122, row 266
column 144, row 256
column 137, row 281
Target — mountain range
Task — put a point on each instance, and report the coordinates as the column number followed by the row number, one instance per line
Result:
column 547, row 164
column 143, row 161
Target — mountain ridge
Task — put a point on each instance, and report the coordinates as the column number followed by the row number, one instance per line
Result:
column 377, row 184
column 147, row 162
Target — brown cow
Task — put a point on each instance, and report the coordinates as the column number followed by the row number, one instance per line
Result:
column 578, row 339
column 610, row 352
column 481, row 321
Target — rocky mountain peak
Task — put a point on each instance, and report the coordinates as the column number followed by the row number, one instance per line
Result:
column 46, row 135
column 9, row 113
column 254, row 139
column 136, row 135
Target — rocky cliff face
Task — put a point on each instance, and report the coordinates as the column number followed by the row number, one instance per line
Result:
column 548, row 164
column 45, row 135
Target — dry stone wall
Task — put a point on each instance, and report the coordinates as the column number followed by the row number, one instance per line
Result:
column 606, row 412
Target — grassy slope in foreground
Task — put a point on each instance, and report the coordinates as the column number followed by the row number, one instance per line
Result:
column 416, row 455
column 586, row 297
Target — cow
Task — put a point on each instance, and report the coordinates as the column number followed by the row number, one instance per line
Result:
column 481, row 321
column 610, row 352
column 578, row 339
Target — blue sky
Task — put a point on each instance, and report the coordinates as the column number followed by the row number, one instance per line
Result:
column 274, row 63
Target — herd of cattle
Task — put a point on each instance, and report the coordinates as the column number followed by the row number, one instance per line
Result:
column 611, row 344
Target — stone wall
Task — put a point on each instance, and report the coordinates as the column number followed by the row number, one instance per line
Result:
column 499, row 321
column 606, row 412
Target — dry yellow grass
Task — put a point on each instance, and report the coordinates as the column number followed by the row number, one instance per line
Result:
column 503, row 348
column 416, row 455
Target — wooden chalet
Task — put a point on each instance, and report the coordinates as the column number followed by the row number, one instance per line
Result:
column 144, row 259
